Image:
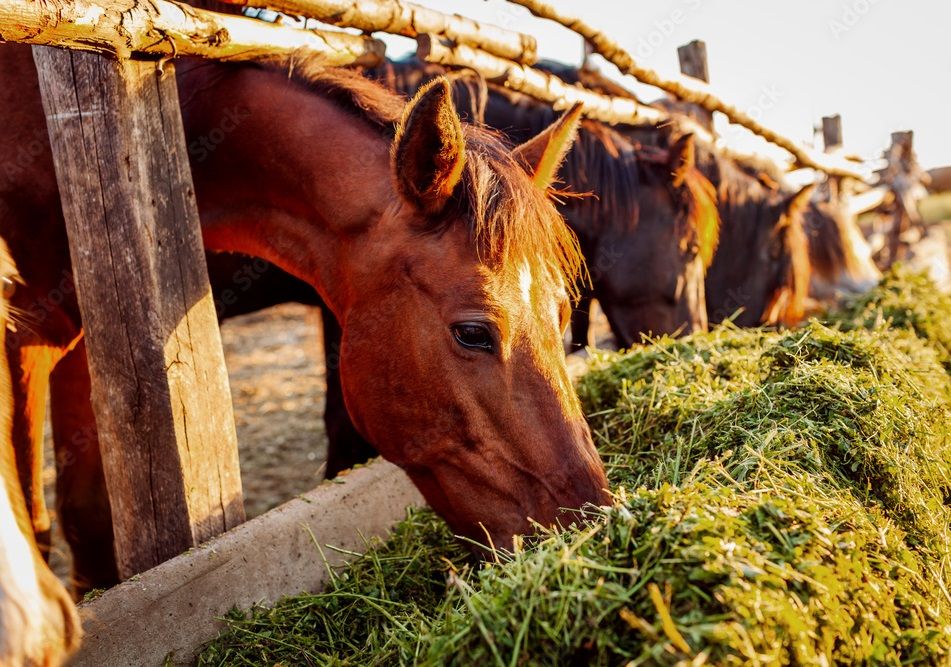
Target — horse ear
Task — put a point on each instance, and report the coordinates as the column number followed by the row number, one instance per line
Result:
column 429, row 149
column 543, row 154
column 682, row 158
column 796, row 204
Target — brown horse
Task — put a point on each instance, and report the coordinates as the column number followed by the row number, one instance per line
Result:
column 651, row 207
column 442, row 257
column 38, row 622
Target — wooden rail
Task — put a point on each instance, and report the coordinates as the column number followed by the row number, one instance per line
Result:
column 409, row 20
column 536, row 83
column 161, row 29
column 688, row 91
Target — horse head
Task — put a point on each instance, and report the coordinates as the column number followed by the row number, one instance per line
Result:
column 451, row 360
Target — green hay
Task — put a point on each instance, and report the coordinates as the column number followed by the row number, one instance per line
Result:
column 781, row 498
column 788, row 574
column 904, row 300
column 865, row 411
column 370, row 613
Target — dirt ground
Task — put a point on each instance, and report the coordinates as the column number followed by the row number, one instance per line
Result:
column 276, row 366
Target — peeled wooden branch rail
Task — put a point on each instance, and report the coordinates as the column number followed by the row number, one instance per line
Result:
column 536, row 83
column 623, row 60
column 165, row 29
column 410, row 20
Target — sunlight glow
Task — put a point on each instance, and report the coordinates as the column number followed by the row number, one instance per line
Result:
column 882, row 64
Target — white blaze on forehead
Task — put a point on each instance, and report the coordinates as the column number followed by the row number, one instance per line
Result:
column 525, row 282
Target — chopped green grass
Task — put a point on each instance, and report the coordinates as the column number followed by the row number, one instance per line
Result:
column 781, row 497
column 790, row 573
column 369, row 613
column 904, row 300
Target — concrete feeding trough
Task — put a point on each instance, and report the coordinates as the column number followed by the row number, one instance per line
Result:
column 173, row 609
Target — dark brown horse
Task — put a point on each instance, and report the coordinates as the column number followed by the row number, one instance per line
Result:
column 446, row 264
column 38, row 622
column 761, row 271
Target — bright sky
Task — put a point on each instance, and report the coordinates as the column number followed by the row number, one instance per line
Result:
column 884, row 65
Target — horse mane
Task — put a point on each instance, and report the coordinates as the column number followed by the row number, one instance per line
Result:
column 592, row 79
column 510, row 221
column 755, row 165
column 599, row 155
column 760, row 167
column 704, row 215
column 787, row 305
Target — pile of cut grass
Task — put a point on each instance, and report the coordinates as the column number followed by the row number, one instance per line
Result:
column 904, row 300
column 780, row 497
column 368, row 615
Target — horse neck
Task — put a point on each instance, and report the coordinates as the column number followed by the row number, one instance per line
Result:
column 283, row 173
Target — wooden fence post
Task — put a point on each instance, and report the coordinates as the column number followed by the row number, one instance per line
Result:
column 159, row 384
column 832, row 141
column 831, row 132
column 693, row 63
column 903, row 176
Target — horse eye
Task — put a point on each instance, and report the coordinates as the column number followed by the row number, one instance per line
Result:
column 473, row 335
column 9, row 286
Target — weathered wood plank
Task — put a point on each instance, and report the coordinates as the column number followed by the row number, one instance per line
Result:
column 165, row 615
column 693, row 60
column 409, row 19
column 693, row 63
column 159, row 384
column 832, row 133
column 165, row 29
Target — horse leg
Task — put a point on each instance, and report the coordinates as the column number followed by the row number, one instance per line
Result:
column 30, row 368
column 82, row 503
column 345, row 447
